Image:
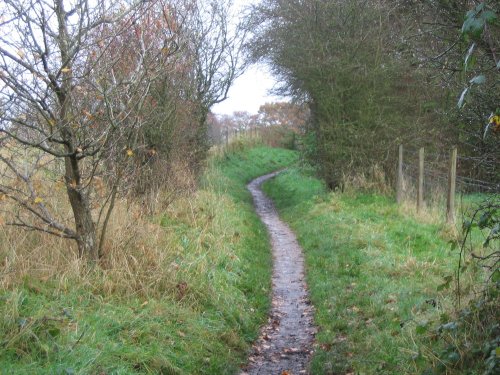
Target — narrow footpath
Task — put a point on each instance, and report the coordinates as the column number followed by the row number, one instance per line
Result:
column 285, row 343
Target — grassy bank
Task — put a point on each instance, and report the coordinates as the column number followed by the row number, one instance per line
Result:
column 373, row 271
column 183, row 292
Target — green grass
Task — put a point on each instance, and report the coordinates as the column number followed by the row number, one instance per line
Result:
column 372, row 272
column 214, row 292
column 231, row 171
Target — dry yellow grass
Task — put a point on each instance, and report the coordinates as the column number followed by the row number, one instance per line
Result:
column 140, row 255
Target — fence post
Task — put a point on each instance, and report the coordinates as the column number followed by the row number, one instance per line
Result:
column 227, row 135
column 420, row 189
column 452, row 181
column 399, row 182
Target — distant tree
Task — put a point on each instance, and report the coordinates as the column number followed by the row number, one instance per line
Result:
column 242, row 120
column 283, row 114
column 215, row 42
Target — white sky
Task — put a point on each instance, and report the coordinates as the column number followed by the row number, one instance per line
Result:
column 251, row 89
column 249, row 92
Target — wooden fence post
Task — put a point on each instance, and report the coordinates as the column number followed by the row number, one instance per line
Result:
column 399, row 182
column 420, row 188
column 452, row 180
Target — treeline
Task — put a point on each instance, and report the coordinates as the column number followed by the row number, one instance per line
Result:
column 281, row 118
column 377, row 73
column 101, row 99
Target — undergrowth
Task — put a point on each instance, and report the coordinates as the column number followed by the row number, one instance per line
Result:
column 381, row 281
column 182, row 292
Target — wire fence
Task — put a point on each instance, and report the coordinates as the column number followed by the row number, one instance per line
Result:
column 428, row 177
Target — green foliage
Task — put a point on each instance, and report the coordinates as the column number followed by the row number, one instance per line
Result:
column 203, row 321
column 473, row 337
column 371, row 272
column 231, row 171
column 476, row 19
column 364, row 92
column 476, row 337
column 468, row 342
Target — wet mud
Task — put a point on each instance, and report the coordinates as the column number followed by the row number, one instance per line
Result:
column 285, row 343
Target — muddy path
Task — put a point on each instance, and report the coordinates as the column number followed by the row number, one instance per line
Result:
column 285, row 343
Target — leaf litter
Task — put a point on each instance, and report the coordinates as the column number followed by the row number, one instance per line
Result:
column 285, row 344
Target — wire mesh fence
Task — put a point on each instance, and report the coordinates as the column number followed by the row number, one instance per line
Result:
column 433, row 178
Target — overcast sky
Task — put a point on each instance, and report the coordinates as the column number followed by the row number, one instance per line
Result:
column 251, row 90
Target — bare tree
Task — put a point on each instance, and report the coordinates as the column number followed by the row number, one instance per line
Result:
column 75, row 78
column 215, row 42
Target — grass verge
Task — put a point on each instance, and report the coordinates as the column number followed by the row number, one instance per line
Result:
column 373, row 272
column 180, row 293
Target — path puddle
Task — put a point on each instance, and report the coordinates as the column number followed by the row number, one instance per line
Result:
column 284, row 346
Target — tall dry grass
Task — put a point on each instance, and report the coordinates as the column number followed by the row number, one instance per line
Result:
column 435, row 196
column 145, row 253
column 374, row 181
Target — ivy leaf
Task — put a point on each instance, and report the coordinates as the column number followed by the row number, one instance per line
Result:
column 484, row 220
column 489, row 16
column 468, row 62
column 473, row 26
column 473, row 12
column 461, row 100
column 478, row 80
column 491, row 236
column 476, row 19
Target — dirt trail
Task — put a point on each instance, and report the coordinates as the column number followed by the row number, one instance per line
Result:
column 285, row 343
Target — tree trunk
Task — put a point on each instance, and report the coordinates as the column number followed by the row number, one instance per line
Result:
column 84, row 224
column 78, row 196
